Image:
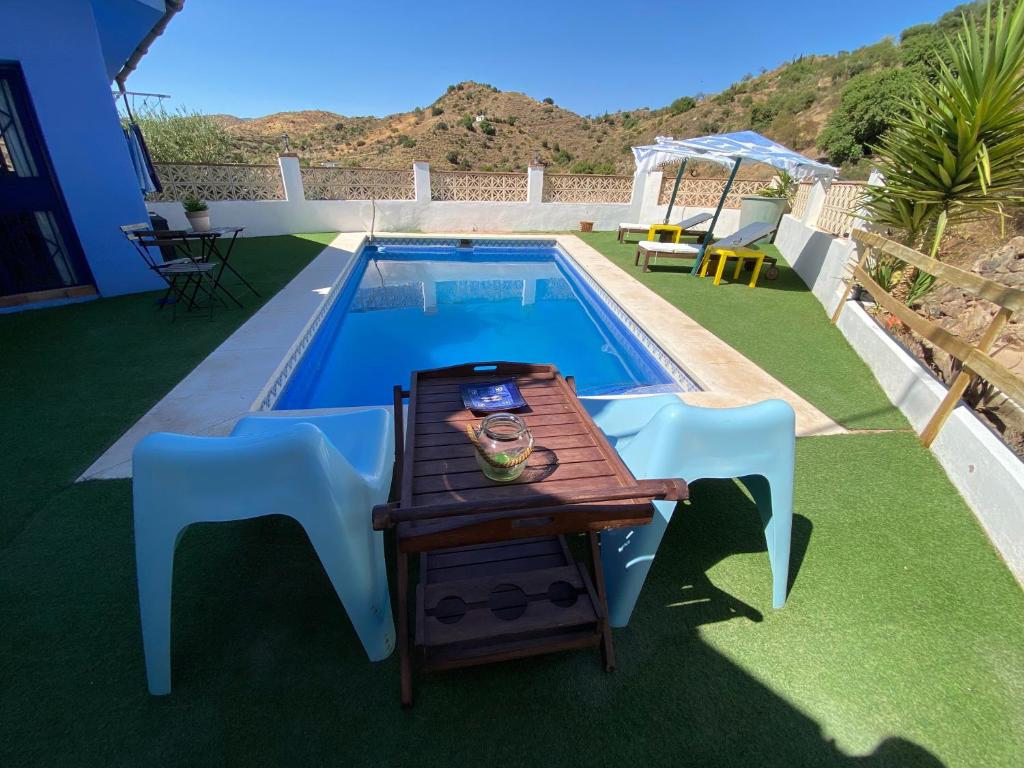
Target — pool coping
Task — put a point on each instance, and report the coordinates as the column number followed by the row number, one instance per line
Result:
column 253, row 363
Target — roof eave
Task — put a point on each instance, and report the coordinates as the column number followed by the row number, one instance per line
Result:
column 172, row 7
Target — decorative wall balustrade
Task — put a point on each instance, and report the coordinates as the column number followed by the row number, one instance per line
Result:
column 357, row 184
column 218, row 182
column 803, row 194
column 579, row 188
column 839, row 211
column 470, row 186
column 705, row 193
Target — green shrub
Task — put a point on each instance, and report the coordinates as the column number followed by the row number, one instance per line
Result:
column 441, row 125
column 792, row 100
column 406, row 141
column 682, row 104
column 466, row 121
column 798, row 71
column 452, row 157
column 548, row 100
column 184, row 137
column 762, row 115
column 600, row 169
column 487, row 128
column 868, row 105
column 561, row 157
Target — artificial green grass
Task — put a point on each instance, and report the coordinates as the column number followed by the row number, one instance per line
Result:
column 779, row 325
column 899, row 646
column 75, row 377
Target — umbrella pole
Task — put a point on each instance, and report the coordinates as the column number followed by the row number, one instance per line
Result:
column 714, row 219
column 672, row 200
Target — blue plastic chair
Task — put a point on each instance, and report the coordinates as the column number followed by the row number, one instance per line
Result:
column 326, row 472
column 664, row 437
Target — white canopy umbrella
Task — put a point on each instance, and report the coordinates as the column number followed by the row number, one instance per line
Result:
column 728, row 150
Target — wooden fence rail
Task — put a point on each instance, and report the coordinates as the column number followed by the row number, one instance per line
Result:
column 974, row 358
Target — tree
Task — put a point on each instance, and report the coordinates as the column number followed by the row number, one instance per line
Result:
column 869, row 104
column 957, row 151
column 185, row 137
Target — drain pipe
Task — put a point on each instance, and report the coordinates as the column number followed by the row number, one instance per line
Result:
column 171, row 8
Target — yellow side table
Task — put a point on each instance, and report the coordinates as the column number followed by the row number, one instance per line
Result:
column 676, row 232
column 741, row 255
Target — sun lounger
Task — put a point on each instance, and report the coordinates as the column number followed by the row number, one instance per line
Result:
column 685, row 225
column 742, row 238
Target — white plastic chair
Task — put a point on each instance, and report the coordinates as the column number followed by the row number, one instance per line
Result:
column 326, row 472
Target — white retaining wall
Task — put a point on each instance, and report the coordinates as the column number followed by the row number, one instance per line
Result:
column 983, row 469
column 295, row 214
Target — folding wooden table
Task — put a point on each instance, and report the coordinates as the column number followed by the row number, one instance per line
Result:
column 497, row 576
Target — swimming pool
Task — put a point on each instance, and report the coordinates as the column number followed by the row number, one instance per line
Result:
column 406, row 306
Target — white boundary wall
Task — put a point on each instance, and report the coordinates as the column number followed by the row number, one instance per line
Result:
column 295, row 214
column 984, row 470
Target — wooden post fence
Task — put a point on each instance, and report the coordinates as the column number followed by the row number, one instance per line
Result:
column 974, row 358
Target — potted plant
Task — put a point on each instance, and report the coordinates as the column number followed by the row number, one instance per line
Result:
column 770, row 203
column 197, row 213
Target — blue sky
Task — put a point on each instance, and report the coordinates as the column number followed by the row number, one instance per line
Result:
column 254, row 57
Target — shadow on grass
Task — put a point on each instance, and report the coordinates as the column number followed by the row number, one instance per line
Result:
column 787, row 280
column 268, row 671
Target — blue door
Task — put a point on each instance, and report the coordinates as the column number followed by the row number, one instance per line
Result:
column 39, row 250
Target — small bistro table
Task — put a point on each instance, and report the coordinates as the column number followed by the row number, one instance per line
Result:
column 209, row 248
column 497, row 577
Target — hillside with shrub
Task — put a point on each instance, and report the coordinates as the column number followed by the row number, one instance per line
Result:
column 832, row 107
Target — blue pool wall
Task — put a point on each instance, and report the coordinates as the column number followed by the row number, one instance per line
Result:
column 656, row 366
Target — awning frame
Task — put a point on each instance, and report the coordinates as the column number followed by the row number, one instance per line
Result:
column 746, row 145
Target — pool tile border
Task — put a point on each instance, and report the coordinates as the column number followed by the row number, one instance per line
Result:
column 687, row 381
column 272, row 390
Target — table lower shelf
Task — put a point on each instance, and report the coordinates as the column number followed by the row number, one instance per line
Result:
column 493, row 602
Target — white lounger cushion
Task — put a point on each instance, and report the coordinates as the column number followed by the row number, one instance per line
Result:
column 656, row 247
column 689, row 223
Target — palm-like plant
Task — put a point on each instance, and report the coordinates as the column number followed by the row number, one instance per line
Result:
column 958, row 151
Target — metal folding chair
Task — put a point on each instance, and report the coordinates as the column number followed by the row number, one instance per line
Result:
column 185, row 276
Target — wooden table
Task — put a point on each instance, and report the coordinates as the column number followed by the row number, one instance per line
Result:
column 497, row 576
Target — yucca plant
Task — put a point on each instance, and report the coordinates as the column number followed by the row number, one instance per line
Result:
column 957, row 153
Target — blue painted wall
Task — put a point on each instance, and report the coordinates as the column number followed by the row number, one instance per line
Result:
column 58, row 46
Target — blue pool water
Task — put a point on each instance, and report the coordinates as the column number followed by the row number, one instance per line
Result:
column 406, row 308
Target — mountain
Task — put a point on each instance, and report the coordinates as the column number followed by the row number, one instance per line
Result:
column 476, row 126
